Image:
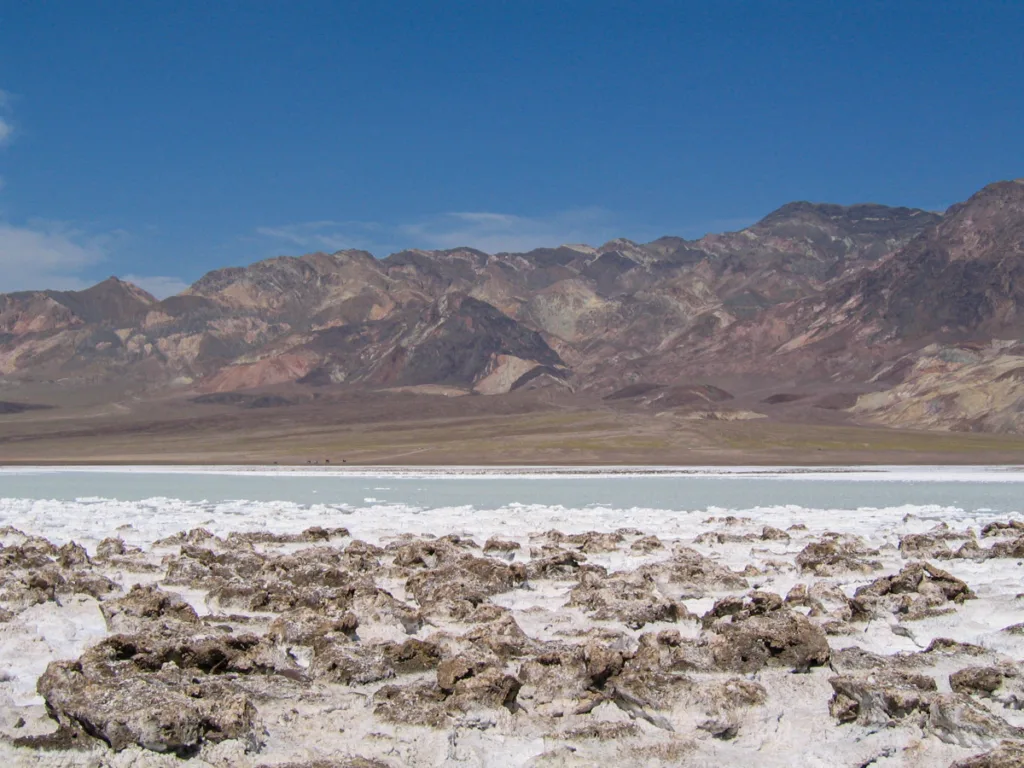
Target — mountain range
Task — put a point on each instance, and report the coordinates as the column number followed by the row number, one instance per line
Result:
column 866, row 314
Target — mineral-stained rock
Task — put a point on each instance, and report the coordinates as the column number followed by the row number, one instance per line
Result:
column 848, row 660
column 977, row 680
column 317, row 578
column 421, row 553
column 351, row 663
column 556, row 681
column 451, row 671
column 1001, row 683
column 720, row 729
column 204, row 653
column 591, row 542
column 281, row 595
column 1003, row 528
column 836, row 554
column 26, row 556
column 948, row 647
column 918, row 591
column 88, row 582
column 755, row 604
column 489, row 688
column 692, row 573
column 724, row 537
column 603, row 662
column 768, row 533
column 305, row 626
column 733, row 693
column 72, row 554
column 828, row 604
column 146, row 603
column 1013, row 548
column 883, row 696
column 463, row 686
column 879, row 696
column 501, row 636
column 346, row 762
column 958, row 719
column 647, row 544
column 362, row 556
column 415, row 704
column 1009, row 548
column 36, row 572
column 171, row 680
column 382, row 607
column 310, row 535
column 758, row 631
column 412, row 656
column 632, row 598
column 193, row 536
column 667, row 651
column 1009, row 754
column 465, row 579
column 502, row 548
column 198, row 566
column 124, row 694
column 923, row 545
column 111, row 547
column 971, row 551
column 556, row 564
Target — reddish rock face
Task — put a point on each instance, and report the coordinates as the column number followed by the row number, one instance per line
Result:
column 820, row 292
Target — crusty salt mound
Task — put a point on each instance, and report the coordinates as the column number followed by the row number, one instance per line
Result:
column 744, row 645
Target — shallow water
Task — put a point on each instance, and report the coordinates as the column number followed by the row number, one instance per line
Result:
column 90, row 503
column 971, row 489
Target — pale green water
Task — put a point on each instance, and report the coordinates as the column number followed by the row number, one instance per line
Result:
column 996, row 491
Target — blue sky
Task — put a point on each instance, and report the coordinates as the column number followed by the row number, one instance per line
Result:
column 159, row 140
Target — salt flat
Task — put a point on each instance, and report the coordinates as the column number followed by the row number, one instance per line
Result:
column 874, row 620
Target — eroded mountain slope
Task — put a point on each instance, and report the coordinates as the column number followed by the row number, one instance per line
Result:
column 813, row 294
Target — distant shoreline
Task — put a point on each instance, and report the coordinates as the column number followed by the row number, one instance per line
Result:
column 907, row 472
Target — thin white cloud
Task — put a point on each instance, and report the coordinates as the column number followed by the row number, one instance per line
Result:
column 496, row 232
column 327, row 236
column 6, row 126
column 46, row 255
column 41, row 254
column 488, row 231
column 160, row 286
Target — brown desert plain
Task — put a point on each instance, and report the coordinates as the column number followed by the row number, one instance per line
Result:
column 404, row 428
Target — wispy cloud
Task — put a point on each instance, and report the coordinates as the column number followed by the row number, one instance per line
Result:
column 6, row 126
column 496, row 232
column 47, row 255
column 42, row 254
column 160, row 286
column 327, row 236
column 484, row 230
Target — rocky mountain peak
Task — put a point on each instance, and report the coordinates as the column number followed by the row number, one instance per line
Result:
column 116, row 286
column 858, row 219
column 988, row 225
column 831, row 289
